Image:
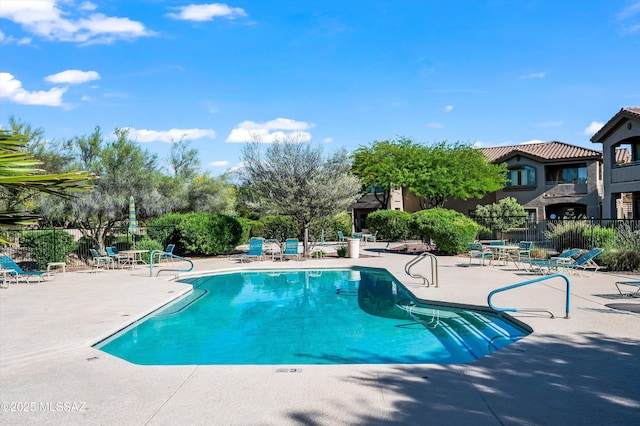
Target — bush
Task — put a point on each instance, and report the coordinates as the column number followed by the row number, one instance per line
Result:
column 579, row 234
column 48, row 246
column 280, row 227
column 330, row 225
column 451, row 231
column 148, row 244
column 164, row 229
column 624, row 253
column 392, row 225
column 209, row 234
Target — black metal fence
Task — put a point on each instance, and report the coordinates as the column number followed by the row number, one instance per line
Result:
column 553, row 236
column 32, row 249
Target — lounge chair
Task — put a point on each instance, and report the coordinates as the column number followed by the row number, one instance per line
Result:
column 523, row 254
column 118, row 258
column 584, row 262
column 478, row 251
column 341, row 237
column 291, row 249
column 168, row 252
column 581, row 264
column 371, row 238
column 98, row 260
column 19, row 274
column 255, row 249
column 564, row 257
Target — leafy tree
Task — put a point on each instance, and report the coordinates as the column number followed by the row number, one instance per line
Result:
column 501, row 216
column 432, row 173
column 294, row 179
column 442, row 171
column 381, row 167
column 125, row 170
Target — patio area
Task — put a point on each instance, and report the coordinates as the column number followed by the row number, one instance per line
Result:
column 582, row 370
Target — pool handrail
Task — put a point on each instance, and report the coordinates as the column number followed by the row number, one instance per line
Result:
column 166, row 254
column 434, row 268
column 536, row 280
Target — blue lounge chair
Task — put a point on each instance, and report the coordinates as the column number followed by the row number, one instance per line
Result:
column 371, row 238
column 98, row 260
column 168, row 252
column 291, row 248
column 583, row 263
column 255, row 249
column 564, row 257
column 341, row 237
column 118, row 258
column 18, row 273
column 478, row 251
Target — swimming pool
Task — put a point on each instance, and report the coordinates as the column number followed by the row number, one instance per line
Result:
column 337, row 316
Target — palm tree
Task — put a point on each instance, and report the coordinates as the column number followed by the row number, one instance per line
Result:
column 21, row 179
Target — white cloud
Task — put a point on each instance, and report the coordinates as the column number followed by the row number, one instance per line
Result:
column 534, row 75
column 435, row 125
column 327, row 140
column 207, row 12
column 626, row 17
column 532, row 141
column 72, row 77
column 219, row 163
column 12, row 90
column 448, row 108
column 171, row 135
column 550, row 123
column 270, row 131
column 48, row 19
column 593, row 128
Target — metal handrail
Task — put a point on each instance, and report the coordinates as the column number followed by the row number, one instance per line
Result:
column 547, row 277
column 164, row 253
column 434, row 268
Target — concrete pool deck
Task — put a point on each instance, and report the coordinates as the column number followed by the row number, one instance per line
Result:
column 578, row 371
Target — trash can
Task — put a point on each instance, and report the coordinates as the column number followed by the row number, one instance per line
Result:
column 353, row 247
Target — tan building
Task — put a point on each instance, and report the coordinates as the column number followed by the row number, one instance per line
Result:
column 620, row 139
column 550, row 179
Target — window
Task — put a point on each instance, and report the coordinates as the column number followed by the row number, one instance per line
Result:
column 522, row 176
column 576, row 173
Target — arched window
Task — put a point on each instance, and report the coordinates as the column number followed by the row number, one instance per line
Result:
column 521, row 176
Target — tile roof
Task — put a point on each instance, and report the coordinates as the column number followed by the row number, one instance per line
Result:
column 623, row 156
column 624, row 115
column 543, row 151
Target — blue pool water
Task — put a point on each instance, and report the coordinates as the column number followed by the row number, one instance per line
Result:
column 348, row 316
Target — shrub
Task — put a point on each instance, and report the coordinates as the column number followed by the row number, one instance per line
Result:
column 48, row 246
column 164, row 229
column 624, row 253
column 209, row 234
column 451, row 231
column 579, row 234
column 280, row 227
column 392, row 225
column 342, row 251
column 330, row 225
column 148, row 244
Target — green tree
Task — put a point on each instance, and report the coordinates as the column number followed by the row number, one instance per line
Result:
column 125, row 170
column 501, row 216
column 442, row 171
column 295, row 179
column 381, row 167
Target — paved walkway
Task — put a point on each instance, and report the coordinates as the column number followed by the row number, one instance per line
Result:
column 578, row 371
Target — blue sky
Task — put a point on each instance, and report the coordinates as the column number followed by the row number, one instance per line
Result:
column 338, row 73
